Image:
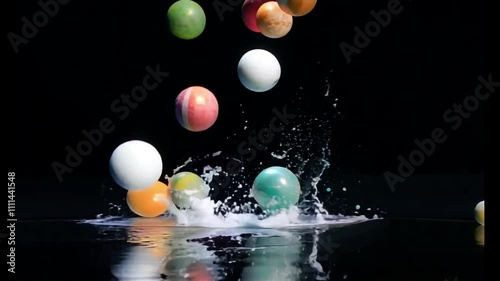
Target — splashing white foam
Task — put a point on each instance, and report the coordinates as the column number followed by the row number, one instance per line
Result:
column 202, row 215
column 190, row 159
column 280, row 156
column 303, row 149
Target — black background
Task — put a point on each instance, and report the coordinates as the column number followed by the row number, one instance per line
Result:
column 395, row 91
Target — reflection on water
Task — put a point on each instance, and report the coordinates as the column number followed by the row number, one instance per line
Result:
column 479, row 235
column 153, row 249
column 166, row 252
column 372, row 250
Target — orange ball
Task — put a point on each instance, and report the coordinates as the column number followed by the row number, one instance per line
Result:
column 297, row 8
column 272, row 21
column 150, row 202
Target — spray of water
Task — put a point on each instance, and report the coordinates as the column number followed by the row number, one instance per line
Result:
column 303, row 147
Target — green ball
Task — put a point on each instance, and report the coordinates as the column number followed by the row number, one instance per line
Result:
column 186, row 19
column 276, row 188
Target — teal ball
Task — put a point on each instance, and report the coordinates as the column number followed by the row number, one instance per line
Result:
column 276, row 188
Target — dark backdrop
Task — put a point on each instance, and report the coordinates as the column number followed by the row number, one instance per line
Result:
column 393, row 92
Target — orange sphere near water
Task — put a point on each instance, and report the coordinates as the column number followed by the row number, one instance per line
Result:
column 150, row 202
column 297, row 8
column 272, row 21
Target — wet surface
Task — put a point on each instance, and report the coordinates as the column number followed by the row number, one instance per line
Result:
column 373, row 250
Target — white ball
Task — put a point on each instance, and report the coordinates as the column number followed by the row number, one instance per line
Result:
column 259, row 70
column 136, row 165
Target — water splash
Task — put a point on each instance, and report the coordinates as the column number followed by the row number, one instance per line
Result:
column 303, row 147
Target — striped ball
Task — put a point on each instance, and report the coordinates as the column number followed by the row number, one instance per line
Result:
column 196, row 108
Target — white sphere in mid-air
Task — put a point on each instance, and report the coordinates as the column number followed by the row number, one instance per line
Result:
column 135, row 165
column 259, row 70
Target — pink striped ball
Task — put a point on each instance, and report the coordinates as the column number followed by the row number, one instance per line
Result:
column 196, row 108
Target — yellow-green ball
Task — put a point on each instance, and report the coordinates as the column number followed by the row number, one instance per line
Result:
column 185, row 186
column 479, row 212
